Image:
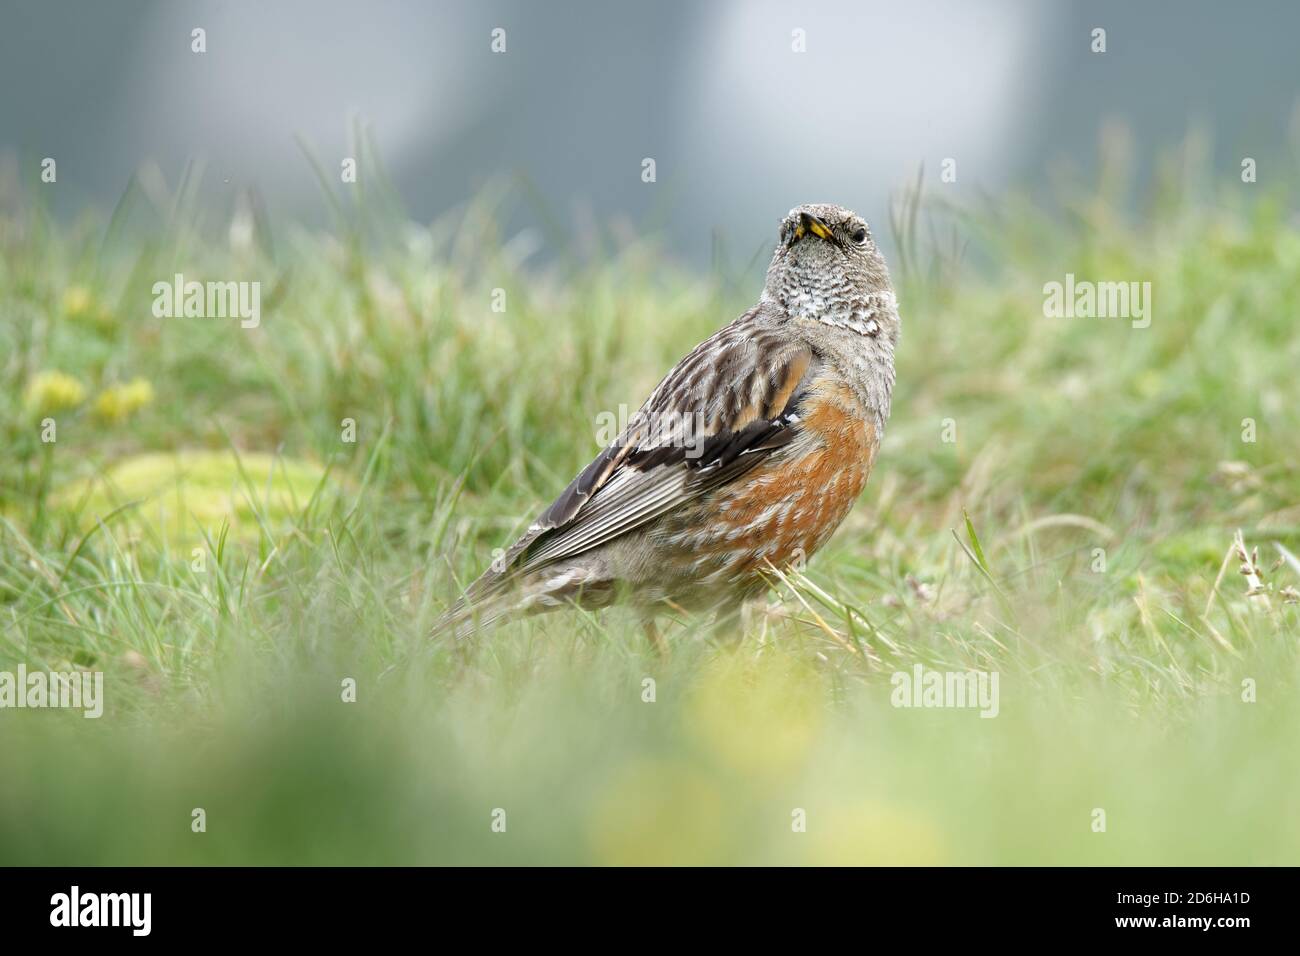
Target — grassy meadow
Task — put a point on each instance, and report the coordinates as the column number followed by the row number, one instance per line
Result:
column 208, row 531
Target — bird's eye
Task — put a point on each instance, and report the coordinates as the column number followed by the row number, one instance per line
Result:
column 860, row 236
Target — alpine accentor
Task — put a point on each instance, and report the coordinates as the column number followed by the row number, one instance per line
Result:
column 751, row 450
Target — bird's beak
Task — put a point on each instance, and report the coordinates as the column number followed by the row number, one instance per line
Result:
column 814, row 225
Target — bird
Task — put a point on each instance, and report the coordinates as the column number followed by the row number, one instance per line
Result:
column 746, row 457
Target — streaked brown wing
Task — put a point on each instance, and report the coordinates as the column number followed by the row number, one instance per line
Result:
column 727, row 405
column 718, row 413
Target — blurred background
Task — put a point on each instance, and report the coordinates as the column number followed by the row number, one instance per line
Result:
column 232, row 522
column 740, row 126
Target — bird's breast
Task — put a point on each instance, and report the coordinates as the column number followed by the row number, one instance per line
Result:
column 789, row 506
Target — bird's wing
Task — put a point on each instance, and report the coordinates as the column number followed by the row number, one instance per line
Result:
column 726, row 406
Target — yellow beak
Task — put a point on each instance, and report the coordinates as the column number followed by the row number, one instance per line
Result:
column 811, row 224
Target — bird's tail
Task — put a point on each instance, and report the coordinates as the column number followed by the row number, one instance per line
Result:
column 495, row 598
column 484, row 604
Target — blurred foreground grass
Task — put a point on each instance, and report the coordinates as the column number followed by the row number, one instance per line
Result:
column 203, row 532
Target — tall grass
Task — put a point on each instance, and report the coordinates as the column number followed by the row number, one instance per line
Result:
column 1076, row 537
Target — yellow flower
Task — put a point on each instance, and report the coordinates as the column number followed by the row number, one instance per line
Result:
column 77, row 301
column 53, row 392
column 118, row 402
column 870, row 833
column 80, row 305
column 659, row 813
column 1149, row 384
column 758, row 717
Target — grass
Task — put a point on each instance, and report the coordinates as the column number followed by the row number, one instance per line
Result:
column 1075, row 538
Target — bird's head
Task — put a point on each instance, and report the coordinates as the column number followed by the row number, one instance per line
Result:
column 826, row 268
